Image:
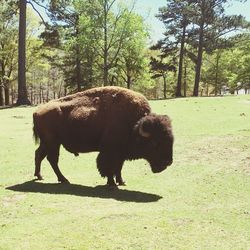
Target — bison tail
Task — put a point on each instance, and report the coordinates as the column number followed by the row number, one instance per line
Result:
column 35, row 131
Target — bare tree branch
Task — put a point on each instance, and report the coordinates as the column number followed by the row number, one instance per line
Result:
column 41, row 17
column 37, row 3
column 110, row 6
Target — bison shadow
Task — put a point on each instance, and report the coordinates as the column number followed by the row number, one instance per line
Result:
column 85, row 191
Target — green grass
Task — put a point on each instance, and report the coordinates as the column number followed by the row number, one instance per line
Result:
column 201, row 202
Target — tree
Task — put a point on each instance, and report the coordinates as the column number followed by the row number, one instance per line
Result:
column 214, row 72
column 195, row 24
column 22, row 90
column 109, row 36
column 161, row 69
column 110, row 32
column 63, row 33
column 243, row 76
column 212, row 25
column 238, row 63
column 227, row 68
column 133, row 59
column 8, row 34
column 176, row 18
column 92, row 27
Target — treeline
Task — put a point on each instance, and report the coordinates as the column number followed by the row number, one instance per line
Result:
column 197, row 32
column 85, row 43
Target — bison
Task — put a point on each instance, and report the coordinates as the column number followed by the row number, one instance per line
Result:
column 114, row 121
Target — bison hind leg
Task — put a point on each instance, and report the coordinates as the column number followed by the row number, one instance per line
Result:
column 52, row 157
column 40, row 154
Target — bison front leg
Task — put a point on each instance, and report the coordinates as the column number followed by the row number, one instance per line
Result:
column 109, row 165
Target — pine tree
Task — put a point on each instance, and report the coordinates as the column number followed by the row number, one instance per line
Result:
column 176, row 18
column 22, row 90
column 212, row 24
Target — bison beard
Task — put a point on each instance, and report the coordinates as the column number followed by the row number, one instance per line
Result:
column 114, row 121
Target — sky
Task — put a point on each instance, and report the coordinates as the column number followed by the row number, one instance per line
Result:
column 149, row 8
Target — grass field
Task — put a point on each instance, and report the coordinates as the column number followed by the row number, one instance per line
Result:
column 201, row 202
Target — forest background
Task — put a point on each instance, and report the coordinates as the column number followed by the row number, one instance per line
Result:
column 186, row 48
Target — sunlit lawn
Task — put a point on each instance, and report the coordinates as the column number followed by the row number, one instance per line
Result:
column 201, row 202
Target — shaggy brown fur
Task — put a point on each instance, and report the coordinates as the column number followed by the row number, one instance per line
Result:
column 108, row 120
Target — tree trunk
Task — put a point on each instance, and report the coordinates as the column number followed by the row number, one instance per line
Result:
column 40, row 93
column 78, row 60
column 43, row 97
column 216, row 73
column 165, row 86
column 105, row 51
column 12, row 94
column 185, row 80
column 178, row 88
column 199, row 60
column 47, row 96
column 32, row 95
column 129, row 81
column 59, row 90
column 1, row 96
column 78, row 69
column 1, row 84
column 22, row 90
column 7, row 94
column 90, row 71
column 2, row 70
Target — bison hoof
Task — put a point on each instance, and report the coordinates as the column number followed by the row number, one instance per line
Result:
column 64, row 181
column 122, row 183
column 39, row 177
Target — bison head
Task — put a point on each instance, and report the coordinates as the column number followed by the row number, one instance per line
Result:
column 155, row 139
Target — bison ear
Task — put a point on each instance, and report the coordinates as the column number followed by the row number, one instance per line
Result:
column 144, row 128
column 142, row 132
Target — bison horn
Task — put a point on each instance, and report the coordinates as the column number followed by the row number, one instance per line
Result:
column 142, row 132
